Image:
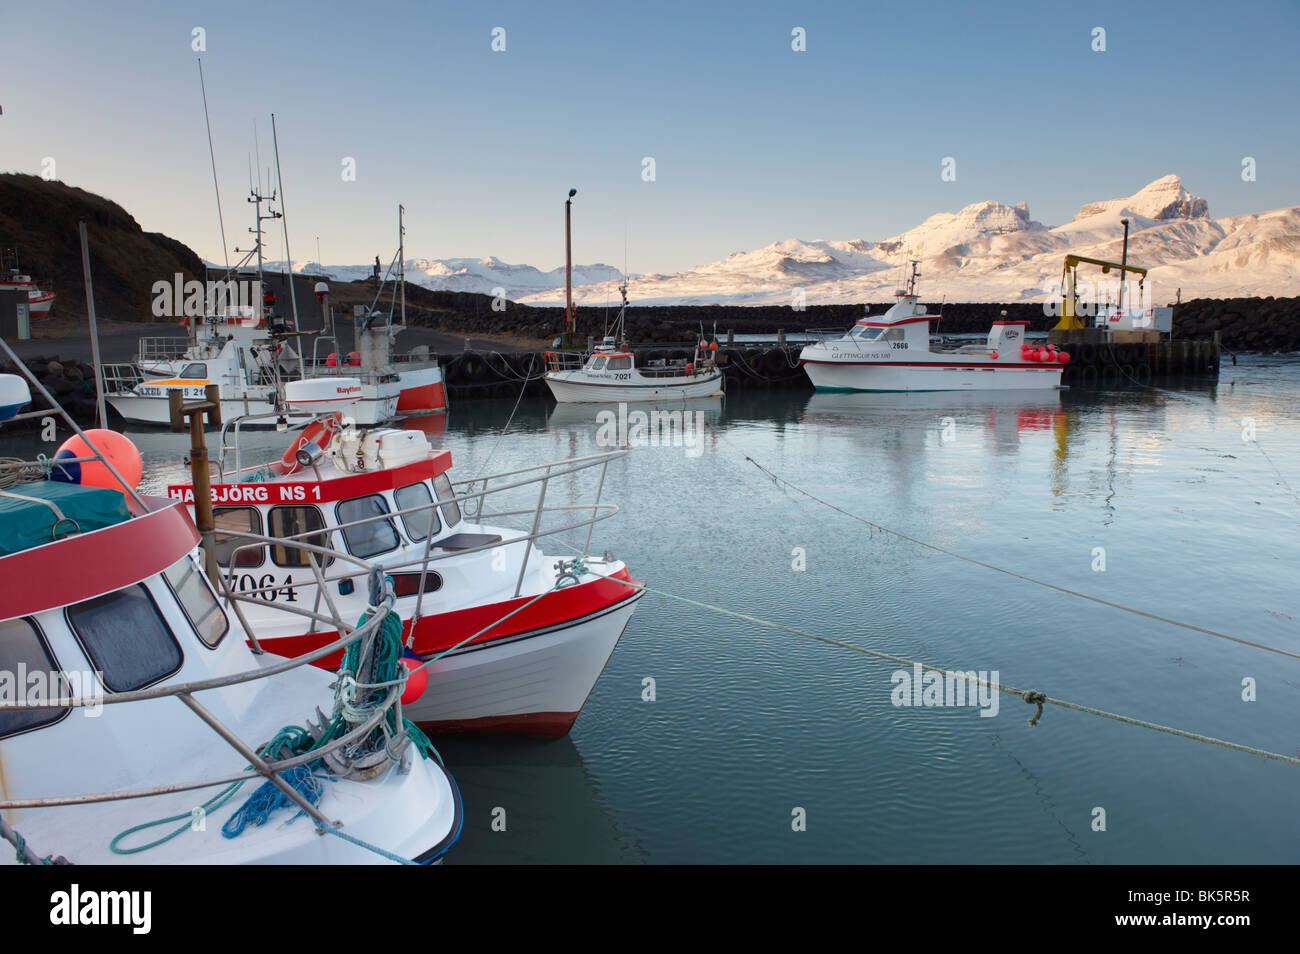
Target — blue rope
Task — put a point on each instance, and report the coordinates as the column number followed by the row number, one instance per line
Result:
column 267, row 798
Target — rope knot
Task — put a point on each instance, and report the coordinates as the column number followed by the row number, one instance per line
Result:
column 1035, row 698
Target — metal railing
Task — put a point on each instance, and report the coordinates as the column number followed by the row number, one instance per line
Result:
column 162, row 349
column 120, row 378
column 383, row 599
column 472, row 503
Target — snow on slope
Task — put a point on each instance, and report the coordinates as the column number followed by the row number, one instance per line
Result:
column 482, row 275
column 987, row 251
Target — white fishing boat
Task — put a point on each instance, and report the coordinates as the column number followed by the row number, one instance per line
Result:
column 611, row 373
column 514, row 639
column 12, row 278
column 149, row 726
column 893, row 352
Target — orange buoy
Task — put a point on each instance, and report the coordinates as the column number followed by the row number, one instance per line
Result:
column 417, row 680
column 113, row 447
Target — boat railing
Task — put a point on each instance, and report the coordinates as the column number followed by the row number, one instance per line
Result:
column 267, row 765
column 162, row 349
column 472, row 501
column 822, row 335
column 120, row 377
column 564, row 360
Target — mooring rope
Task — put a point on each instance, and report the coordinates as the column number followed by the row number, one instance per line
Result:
column 1295, row 497
column 1031, row 696
column 1020, row 576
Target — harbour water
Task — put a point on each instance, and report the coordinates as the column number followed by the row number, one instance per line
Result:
column 1157, row 500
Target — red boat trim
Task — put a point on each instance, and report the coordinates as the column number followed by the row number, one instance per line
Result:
column 91, row 564
column 988, row 366
column 893, row 324
column 439, row 631
column 319, row 491
column 428, row 397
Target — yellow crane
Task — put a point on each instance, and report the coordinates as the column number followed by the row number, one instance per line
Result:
column 1069, row 318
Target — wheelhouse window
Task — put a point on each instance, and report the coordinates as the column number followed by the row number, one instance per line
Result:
column 450, row 509
column 125, row 638
column 619, row 364
column 197, row 370
column 424, row 521
column 892, row 334
column 864, row 333
column 200, row 605
column 239, row 520
column 597, row 364
column 295, row 522
column 372, row 538
column 22, row 649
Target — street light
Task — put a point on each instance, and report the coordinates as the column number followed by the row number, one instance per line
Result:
column 569, row 323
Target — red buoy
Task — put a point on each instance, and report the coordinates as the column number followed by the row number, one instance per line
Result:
column 1062, row 357
column 417, row 680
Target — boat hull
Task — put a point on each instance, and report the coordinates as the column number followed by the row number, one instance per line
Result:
column 422, row 391
column 931, row 376
column 377, row 405
column 535, row 683
column 572, row 387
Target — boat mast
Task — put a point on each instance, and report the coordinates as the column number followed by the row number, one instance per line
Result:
column 401, row 258
column 284, row 223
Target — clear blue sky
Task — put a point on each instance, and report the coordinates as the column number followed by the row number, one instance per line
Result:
column 753, row 142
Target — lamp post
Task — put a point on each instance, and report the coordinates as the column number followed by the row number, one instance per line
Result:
column 1123, row 266
column 569, row 323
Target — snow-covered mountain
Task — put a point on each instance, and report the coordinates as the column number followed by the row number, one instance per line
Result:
column 482, row 275
column 987, row 251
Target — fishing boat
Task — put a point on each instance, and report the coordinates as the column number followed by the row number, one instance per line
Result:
column 12, row 278
column 611, row 373
column 248, row 351
column 892, row 352
column 148, row 725
column 513, row 638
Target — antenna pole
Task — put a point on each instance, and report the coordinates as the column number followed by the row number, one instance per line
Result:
column 401, row 258
column 94, row 326
column 284, row 223
column 213, row 156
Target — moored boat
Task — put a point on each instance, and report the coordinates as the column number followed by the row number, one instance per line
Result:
column 145, row 700
column 892, row 352
column 514, row 640
column 12, row 277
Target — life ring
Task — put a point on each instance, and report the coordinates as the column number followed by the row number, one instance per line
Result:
column 311, row 434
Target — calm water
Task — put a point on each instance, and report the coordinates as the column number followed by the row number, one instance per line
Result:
column 749, row 724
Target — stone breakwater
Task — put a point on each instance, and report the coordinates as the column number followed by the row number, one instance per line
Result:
column 1243, row 324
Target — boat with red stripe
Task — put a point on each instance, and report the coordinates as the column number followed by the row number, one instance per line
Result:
column 515, row 639
column 892, row 352
column 141, row 721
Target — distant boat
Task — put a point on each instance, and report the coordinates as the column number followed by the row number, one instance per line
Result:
column 611, row 374
column 13, row 279
column 892, row 352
